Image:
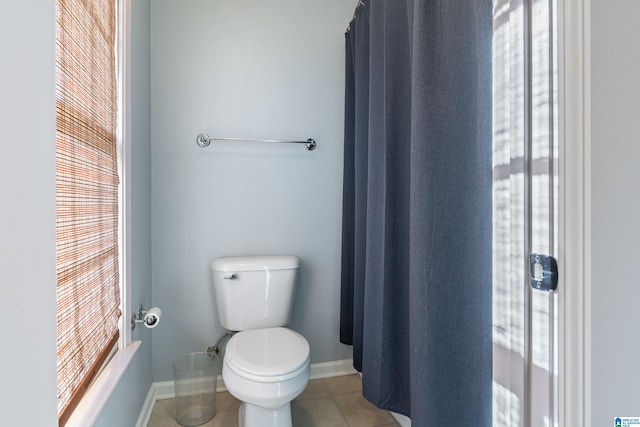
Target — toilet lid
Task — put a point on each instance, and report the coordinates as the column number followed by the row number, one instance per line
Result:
column 267, row 355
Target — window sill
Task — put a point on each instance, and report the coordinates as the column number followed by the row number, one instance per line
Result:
column 100, row 391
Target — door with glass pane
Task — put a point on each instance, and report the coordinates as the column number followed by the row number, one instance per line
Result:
column 524, row 212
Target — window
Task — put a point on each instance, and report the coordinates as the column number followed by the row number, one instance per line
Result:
column 525, row 191
column 87, row 192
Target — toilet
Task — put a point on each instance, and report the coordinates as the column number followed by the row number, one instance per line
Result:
column 265, row 364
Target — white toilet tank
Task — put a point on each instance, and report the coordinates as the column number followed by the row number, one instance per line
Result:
column 254, row 292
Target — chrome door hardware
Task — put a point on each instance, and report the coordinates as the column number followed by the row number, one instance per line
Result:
column 543, row 272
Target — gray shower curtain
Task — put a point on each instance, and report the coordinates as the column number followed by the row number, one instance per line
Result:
column 416, row 247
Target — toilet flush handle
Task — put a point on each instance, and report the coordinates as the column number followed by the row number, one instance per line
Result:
column 231, row 276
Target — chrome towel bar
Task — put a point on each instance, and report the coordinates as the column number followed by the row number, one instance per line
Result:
column 203, row 140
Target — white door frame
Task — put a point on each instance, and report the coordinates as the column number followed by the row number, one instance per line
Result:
column 574, row 28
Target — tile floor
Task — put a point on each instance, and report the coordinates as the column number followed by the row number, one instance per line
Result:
column 328, row 402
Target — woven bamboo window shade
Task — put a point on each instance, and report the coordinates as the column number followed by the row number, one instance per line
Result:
column 88, row 294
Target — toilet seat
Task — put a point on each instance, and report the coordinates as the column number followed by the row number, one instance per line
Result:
column 267, row 355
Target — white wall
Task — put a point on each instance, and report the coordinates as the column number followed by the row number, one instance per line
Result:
column 615, row 166
column 27, row 217
column 251, row 69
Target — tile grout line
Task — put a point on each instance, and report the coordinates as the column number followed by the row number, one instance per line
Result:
column 330, row 394
column 346, row 420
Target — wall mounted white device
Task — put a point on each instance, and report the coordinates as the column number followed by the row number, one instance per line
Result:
column 149, row 318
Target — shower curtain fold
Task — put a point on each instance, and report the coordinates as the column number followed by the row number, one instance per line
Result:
column 416, row 243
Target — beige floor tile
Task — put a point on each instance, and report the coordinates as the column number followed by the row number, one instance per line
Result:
column 226, row 402
column 166, row 422
column 164, row 412
column 343, row 384
column 315, row 388
column 224, row 419
column 164, row 409
column 359, row 412
column 329, row 402
column 319, row 412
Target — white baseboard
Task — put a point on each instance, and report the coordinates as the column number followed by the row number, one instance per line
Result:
column 165, row 389
column 336, row 368
column 147, row 408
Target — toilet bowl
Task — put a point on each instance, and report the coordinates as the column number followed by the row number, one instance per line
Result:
column 266, row 369
column 265, row 364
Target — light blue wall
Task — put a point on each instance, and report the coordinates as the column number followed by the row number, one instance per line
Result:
column 259, row 73
column 615, row 110
column 125, row 403
column 27, row 226
column 127, row 399
column 251, row 69
column 27, row 216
